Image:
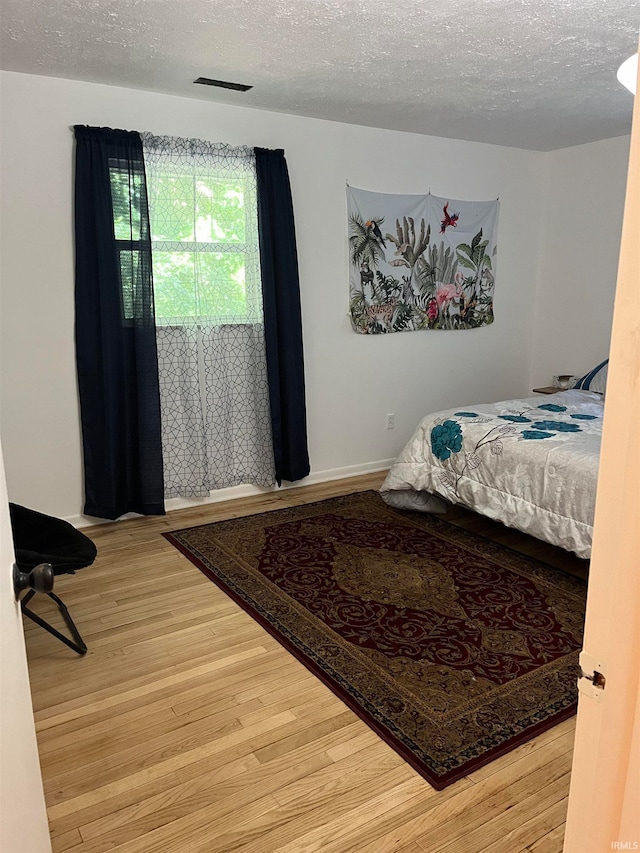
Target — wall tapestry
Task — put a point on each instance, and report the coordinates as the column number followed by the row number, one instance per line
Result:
column 420, row 262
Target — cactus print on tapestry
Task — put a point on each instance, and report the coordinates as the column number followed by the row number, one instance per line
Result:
column 420, row 262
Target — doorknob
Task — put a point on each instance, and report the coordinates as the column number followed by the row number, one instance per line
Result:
column 40, row 579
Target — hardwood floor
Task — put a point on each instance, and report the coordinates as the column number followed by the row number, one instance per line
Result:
column 188, row 728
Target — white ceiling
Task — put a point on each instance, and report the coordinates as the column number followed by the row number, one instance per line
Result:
column 536, row 74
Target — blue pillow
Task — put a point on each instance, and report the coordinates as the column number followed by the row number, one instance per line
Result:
column 594, row 380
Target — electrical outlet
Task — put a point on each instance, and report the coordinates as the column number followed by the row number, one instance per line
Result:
column 391, row 420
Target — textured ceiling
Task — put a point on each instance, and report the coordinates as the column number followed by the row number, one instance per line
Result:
column 536, row 74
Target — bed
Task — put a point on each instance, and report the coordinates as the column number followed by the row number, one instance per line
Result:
column 531, row 464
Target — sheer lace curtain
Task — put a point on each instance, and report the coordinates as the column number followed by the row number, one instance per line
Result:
column 216, row 425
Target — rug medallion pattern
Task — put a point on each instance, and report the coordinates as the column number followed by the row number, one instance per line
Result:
column 452, row 647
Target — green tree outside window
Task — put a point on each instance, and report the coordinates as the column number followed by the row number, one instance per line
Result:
column 198, row 243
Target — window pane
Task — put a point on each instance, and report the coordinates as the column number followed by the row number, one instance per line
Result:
column 220, row 216
column 204, row 238
column 171, row 207
column 221, row 286
column 134, row 273
column 126, row 283
column 202, row 214
column 174, row 284
column 126, row 190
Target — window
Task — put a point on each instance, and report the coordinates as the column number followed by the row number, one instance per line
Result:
column 198, row 234
column 204, row 240
column 204, row 232
column 214, row 393
column 192, row 394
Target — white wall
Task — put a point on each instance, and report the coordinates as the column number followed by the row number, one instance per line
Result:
column 582, row 215
column 352, row 380
column 23, row 823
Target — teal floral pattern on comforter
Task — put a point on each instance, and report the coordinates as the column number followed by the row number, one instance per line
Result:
column 528, row 463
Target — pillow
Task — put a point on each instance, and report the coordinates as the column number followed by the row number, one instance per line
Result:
column 594, row 380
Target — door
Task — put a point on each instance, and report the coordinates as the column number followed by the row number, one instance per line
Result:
column 604, row 801
column 23, row 816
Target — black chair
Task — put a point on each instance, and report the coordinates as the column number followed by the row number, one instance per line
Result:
column 42, row 539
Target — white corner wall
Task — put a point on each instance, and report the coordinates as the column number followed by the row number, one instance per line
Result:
column 582, row 226
column 23, row 823
column 352, row 380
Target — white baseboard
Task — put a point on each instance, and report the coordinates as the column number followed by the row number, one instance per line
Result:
column 249, row 491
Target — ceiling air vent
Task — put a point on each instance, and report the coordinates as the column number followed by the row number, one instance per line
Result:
column 222, row 84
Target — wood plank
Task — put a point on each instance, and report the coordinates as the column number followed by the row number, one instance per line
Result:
column 552, row 842
column 312, row 831
column 75, row 813
column 61, row 842
column 302, row 755
column 532, row 830
column 462, row 807
column 493, row 801
column 214, row 794
column 502, row 833
column 564, row 730
column 142, row 765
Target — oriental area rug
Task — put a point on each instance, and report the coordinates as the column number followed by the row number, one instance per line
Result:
column 454, row 649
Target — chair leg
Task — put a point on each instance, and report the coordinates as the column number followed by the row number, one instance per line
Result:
column 77, row 644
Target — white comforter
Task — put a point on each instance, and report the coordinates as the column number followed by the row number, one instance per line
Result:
column 531, row 464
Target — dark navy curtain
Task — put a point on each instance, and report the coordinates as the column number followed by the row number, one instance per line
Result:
column 115, row 327
column 282, row 316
